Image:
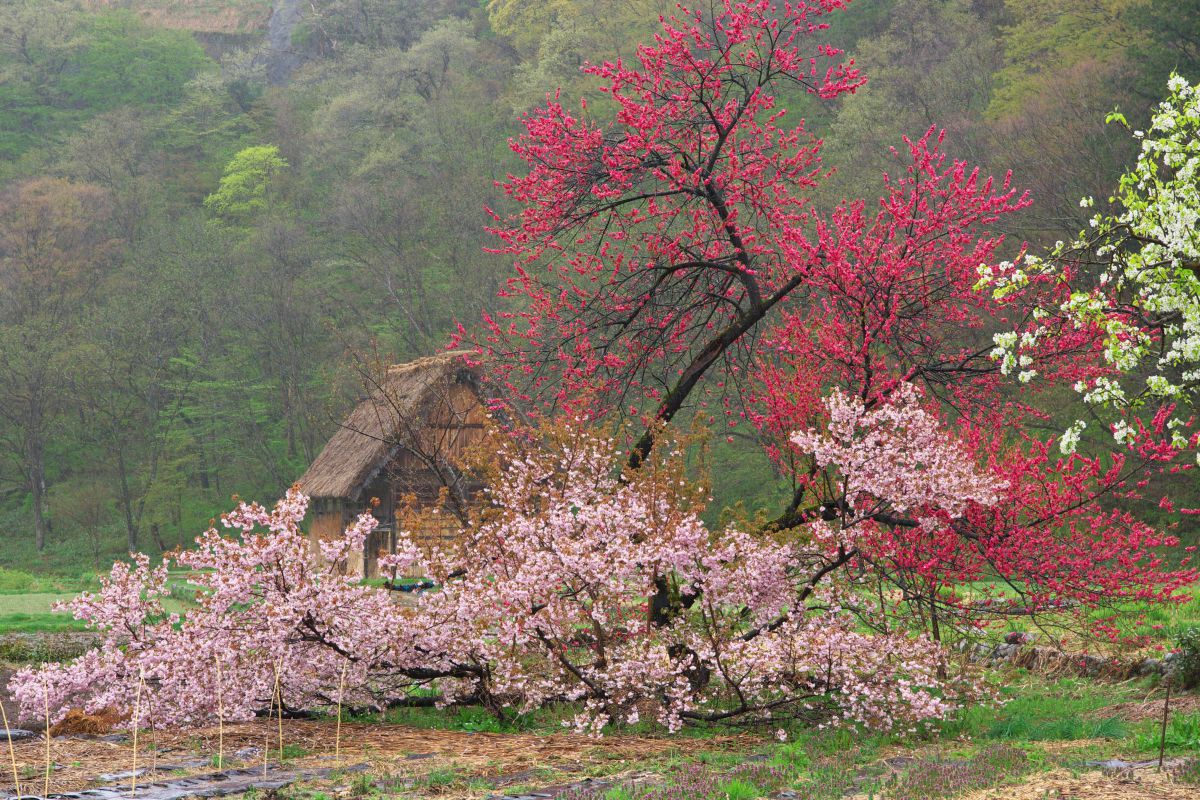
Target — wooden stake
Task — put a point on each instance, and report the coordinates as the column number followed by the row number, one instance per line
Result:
column 220, row 716
column 279, row 706
column 46, row 708
column 12, row 752
column 1162, row 737
column 337, row 736
column 137, row 712
column 267, row 734
column 153, row 740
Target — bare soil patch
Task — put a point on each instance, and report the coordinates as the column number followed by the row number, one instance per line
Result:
column 11, row 709
column 390, row 750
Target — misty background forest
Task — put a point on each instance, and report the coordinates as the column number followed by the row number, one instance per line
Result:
column 214, row 213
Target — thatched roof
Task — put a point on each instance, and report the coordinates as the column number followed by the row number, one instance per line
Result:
column 368, row 438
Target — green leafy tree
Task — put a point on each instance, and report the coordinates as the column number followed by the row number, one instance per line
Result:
column 931, row 66
column 39, row 41
column 390, row 139
column 1047, row 39
column 246, row 186
column 60, row 66
column 338, row 24
column 1169, row 42
column 126, row 62
column 54, row 249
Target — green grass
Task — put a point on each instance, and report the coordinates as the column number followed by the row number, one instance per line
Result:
column 1163, row 623
column 39, row 623
column 30, row 609
column 1183, row 734
column 470, row 718
column 1037, row 711
column 1172, row 620
column 31, row 613
column 17, row 581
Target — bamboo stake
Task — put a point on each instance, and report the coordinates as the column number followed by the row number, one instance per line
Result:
column 337, row 737
column 153, row 740
column 220, row 715
column 279, row 706
column 267, row 734
column 12, row 752
column 46, row 709
column 137, row 712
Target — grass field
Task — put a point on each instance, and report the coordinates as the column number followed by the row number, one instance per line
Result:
column 31, row 613
column 27, row 600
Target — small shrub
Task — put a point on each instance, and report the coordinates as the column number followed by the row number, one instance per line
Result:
column 291, row 751
column 1187, row 663
column 13, row 581
column 792, row 754
column 737, row 790
column 438, row 778
column 362, row 785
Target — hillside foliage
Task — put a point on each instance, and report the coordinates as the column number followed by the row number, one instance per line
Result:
column 188, row 253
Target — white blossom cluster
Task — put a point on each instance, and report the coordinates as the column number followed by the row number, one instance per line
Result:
column 1147, row 300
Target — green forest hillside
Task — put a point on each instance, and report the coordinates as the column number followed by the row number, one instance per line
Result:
column 212, row 210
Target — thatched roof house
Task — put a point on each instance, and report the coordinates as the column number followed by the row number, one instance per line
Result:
column 403, row 440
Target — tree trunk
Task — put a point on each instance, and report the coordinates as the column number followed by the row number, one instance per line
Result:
column 131, row 531
column 37, row 486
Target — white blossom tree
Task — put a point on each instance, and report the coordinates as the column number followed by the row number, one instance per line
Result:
column 1134, row 276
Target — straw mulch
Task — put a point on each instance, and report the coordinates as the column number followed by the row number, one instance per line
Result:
column 1060, row 784
column 390, row 750
column 1139, row 710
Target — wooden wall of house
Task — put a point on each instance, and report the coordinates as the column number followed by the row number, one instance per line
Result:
column 455, row 422
column 328, row 520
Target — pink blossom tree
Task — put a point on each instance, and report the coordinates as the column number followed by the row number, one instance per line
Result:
column 543, row 601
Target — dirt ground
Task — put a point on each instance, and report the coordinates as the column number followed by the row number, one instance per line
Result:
column 10, row 708
column 392, row 752
column 401, row 756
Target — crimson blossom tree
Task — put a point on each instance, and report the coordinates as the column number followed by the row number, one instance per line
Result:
column 671, row 261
